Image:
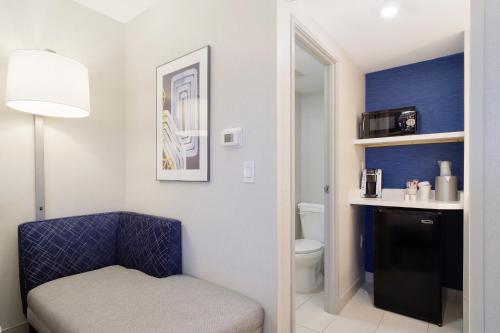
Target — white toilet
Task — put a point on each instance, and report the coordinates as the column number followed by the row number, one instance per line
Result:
column 309, row 250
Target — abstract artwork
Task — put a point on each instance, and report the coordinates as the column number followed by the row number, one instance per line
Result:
column 182, row 114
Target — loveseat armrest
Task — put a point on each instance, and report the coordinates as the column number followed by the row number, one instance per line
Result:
column 150, row 244
column 52, row 249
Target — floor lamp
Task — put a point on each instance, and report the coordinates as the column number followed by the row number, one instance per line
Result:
column 46, row 84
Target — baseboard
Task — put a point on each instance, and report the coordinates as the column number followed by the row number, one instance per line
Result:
column 346, row 297
column 368, row 277
column 19, row 328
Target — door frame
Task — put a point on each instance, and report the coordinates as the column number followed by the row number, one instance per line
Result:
column 286, row 210
column 307, row 40
column 474, row 155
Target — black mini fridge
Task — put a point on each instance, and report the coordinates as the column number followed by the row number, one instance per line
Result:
column 407, row 267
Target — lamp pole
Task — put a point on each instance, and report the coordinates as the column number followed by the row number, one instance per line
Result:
column 39, row 169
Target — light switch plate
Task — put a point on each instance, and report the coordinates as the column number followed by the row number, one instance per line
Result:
column 249, row 172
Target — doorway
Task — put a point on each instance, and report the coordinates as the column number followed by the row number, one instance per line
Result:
column 326, row 26
column 313, row 225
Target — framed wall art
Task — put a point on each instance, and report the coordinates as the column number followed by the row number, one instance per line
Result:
column 182, row 117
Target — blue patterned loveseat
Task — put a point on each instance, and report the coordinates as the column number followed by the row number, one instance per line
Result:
column 120, row 272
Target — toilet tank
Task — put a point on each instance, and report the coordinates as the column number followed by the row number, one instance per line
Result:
column 312, row 221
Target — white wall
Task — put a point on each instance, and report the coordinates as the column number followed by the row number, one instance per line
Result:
column 351, row 103
column 84, row 157
column 229, row 231
column 311, row 136
column 349, row 93
column 491, row 164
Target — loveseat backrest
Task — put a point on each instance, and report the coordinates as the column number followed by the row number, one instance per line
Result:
column 150, row 244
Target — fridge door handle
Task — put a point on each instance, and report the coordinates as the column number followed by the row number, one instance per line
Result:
column 427, row 221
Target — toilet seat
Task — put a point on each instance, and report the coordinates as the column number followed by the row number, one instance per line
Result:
column 304, row 246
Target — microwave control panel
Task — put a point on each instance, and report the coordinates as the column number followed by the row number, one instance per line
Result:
column 407, row 121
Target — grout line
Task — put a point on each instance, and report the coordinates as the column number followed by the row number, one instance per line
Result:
column 7, row 329
column 307, row 328
column 301, row 305
column 380, row 321
column 310, row 297
column 330, row 324
column 307, row 300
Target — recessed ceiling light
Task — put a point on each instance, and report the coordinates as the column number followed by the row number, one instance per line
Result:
column 389, row 12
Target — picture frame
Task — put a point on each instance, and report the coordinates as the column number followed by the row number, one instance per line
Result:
column 182, row 118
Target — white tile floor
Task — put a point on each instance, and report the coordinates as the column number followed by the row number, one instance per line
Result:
column 360, row 316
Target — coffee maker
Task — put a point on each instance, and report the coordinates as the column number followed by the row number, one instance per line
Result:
column 371, row 183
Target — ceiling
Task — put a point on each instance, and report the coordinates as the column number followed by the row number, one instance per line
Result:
column 119, row 10
column 423, row 29
column 309, row 73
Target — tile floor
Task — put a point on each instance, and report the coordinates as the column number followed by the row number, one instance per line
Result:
column 360, row 316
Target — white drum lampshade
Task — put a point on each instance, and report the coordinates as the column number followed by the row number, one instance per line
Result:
column 47, row 84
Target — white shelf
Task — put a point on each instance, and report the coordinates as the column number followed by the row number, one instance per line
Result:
column 395, row 198
column 412, row 139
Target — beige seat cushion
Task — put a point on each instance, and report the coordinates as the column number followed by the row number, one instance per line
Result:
column 116, row 299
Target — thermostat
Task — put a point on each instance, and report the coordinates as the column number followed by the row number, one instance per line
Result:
column 232, row 137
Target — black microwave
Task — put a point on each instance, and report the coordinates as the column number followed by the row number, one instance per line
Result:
column 376, row 124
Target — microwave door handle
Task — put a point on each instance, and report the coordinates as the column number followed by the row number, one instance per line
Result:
column 363, row 127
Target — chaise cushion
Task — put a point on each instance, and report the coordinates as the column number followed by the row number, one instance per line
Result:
column 117, row 299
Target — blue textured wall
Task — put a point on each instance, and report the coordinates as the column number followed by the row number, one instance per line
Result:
column 402, row 163
column 436, row 88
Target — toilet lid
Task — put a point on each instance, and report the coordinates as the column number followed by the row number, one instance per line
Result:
column 303, row 246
